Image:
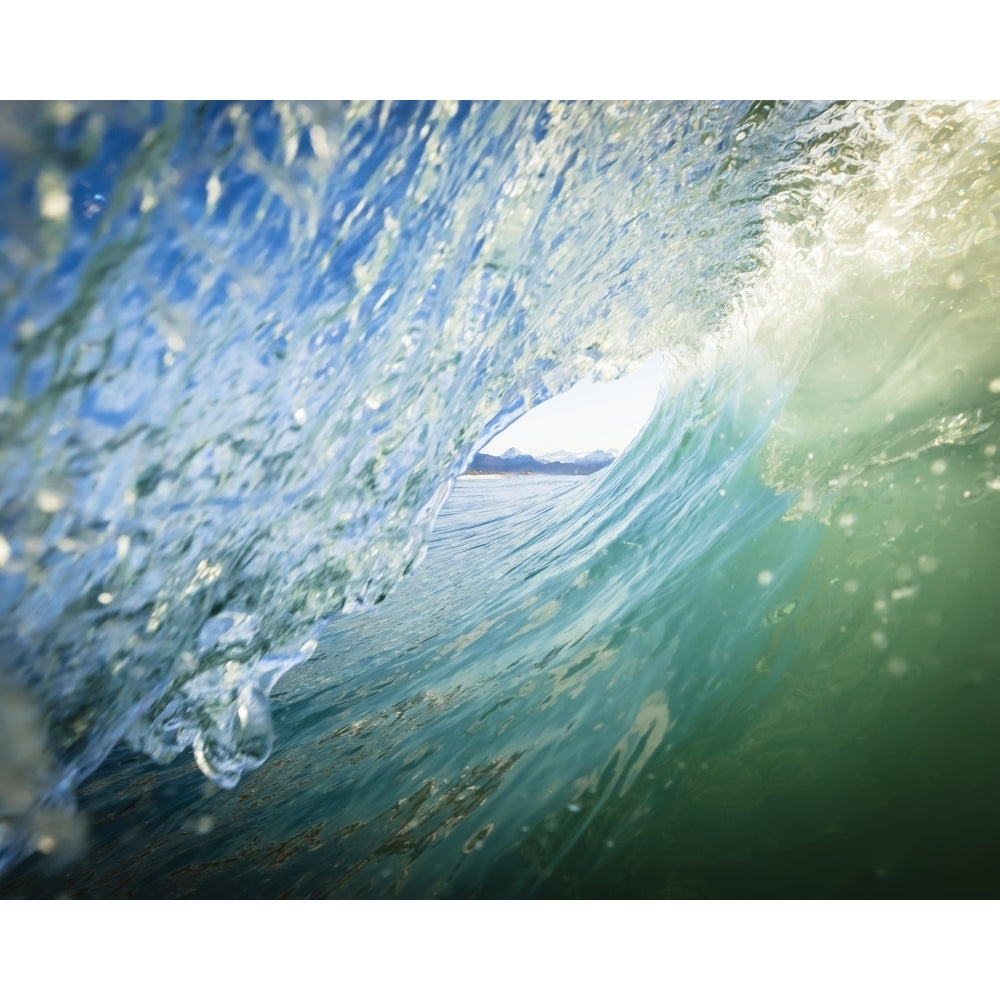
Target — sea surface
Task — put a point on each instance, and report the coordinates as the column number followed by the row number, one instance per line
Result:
column 260, row 638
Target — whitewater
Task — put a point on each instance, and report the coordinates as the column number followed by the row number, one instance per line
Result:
column 258, row 636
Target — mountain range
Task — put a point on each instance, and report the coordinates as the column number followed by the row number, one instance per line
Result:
column 558, row 463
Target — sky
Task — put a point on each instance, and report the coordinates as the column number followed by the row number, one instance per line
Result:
column 592, row 416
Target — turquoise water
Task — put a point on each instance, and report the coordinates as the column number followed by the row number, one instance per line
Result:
column 756, row 656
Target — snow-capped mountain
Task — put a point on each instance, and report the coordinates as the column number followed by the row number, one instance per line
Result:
column 569, row 456
column 559, row 463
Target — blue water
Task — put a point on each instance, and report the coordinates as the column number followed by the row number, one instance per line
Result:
column 247, row 351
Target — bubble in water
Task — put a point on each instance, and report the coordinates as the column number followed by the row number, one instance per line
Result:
column 476, row 841
column 879, row 640
column 48, row 501
column 175, row 341
column 939, row 467
column 54, row 201
column 897, row 666
column 783, row 612
column 765, row 577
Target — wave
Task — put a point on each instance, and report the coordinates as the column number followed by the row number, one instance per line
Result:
column 248, row 349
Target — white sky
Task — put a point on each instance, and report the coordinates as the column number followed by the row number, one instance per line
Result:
column 589, row 417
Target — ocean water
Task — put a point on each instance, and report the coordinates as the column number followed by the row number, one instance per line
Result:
column 247, row 350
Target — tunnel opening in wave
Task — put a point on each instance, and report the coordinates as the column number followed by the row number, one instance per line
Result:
column 578, row 431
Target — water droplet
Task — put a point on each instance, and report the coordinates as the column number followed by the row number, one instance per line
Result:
column 4, row 551
column 105, row 598
column 939, row 467
column 897, row 666
column 175, row 341
column 995, row 385
column 927, row 564
column 48, row 502
column 475, row 842
column 765, row 577
column 54, row 201
column 213, row 189
column 319, row 143
column 879, row 640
